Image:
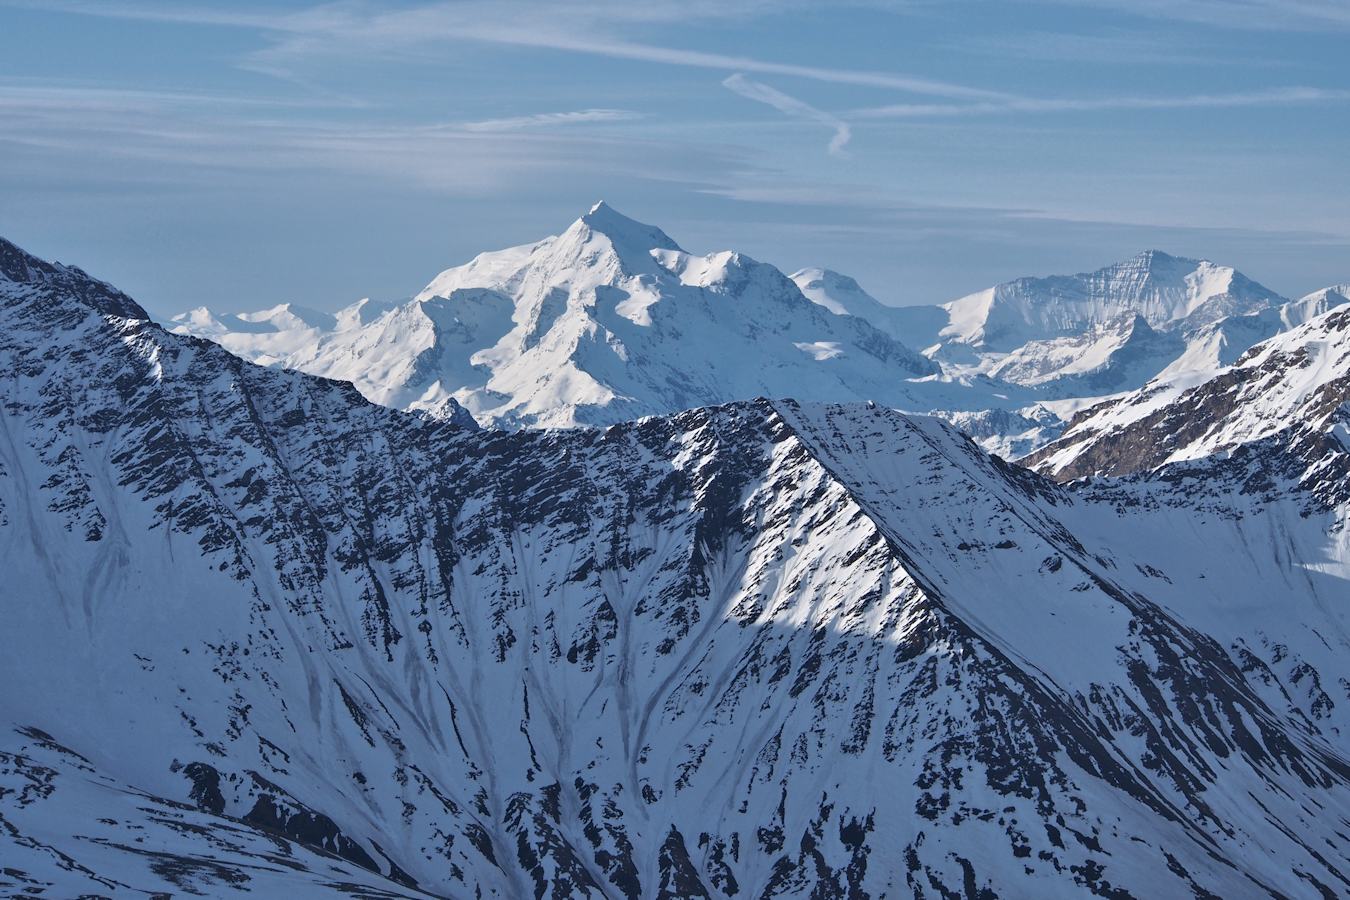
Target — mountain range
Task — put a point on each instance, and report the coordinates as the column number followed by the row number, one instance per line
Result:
column 266, row 632
column 610, row 321
column 606, row 322
column 1089, row 335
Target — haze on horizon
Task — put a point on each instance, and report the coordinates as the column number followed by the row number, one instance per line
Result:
column 240, row 156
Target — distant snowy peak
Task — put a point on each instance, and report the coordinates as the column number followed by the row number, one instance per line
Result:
column 602, row 246
column 1220, row 343
column 838, row 293
column 1168, row 291
column 1292, row 392
column 628, row 237
column 284, row 317
column 1296, row 312
column 1106, row 358
column 607, row 321
column 1086, row 335
column 611, row 320
column 914, row 326
column 267, row 336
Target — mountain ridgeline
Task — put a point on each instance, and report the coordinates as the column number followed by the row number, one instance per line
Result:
column 265, row 635
column 606, row 322
column 611, row 320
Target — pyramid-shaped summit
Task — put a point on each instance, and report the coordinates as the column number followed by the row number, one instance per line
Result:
column 607, row 321
column 623, row 232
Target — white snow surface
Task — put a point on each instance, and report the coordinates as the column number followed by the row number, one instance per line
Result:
column 611, row 320
column 1080, row 341
column 262, row 635
column 1294, row 382
column 608, row 321
column 1092, row 334
column 1165, row 290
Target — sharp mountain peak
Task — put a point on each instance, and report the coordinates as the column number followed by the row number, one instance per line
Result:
column 624, row 232
column 65, row 283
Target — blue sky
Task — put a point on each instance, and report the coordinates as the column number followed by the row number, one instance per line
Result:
column 242, row 155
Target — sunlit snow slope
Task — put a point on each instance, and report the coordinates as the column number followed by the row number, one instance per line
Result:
column 1092, row 334
column 608, row 321
column 611, row 320
column 1288, row 393
column 266, row 635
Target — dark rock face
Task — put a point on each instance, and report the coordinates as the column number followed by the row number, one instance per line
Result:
column 60, row 285
column 1278, row 415
column 759, row 650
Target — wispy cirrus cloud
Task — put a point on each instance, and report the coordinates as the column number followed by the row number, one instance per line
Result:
column 1271, row 97
column 1112, row 46
column 342, row 31
column 354, row 30
column 69, row 96
column 643, row 52
column 1277, row 15
column 789, row 105
column 132, row 136
column 549, row 119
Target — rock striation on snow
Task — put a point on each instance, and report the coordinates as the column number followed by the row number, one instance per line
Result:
column 262, row 634
column 1091, row 334
column 1286, row 396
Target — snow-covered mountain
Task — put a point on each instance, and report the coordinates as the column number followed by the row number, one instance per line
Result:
column 1084, row 338
column 1105, row 359
column 838, row 293
column 262, row 634
column 1219, row 344
column 1166, row 291
column 915, row 326
column 1289, row 393
column 608, row 321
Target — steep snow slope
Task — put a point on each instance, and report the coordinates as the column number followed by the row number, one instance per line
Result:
column 1167, row 291
column 608, row 321
column 1296, row 312
column 1255, row 459
column 838, row 293
column 768, row 649
column 70, row 830
column 1083, row 337
column 1105, row 359
column 915, row 326
column 1289, row 392
column 1219, row 344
